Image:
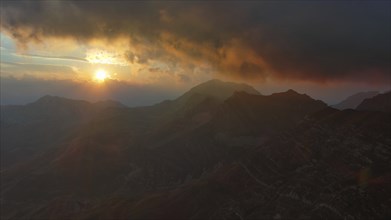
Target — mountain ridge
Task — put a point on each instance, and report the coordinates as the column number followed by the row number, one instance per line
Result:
column 381, row 102
column 352, row 101
column 237, row 153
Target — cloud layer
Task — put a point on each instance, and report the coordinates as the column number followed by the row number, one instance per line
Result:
column 313, row 41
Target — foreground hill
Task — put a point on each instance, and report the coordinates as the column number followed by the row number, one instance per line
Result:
column 220, row 151
column 353, row 101
column 329, row 167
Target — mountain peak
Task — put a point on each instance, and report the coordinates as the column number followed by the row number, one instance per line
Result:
column 288, row 93
column 213, row 81
column 212, row 91
column 49, row 98
column 291, row 91
column 219, row 89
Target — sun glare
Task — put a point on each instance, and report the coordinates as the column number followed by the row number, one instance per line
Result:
column 101, row 75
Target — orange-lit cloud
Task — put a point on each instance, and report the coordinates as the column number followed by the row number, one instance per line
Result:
column 302, row 41
column 106, row 57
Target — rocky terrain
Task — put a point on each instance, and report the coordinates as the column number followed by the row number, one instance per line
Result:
column 220, row 151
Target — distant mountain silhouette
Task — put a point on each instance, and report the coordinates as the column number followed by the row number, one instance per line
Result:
column 218, row 89
column 44, row 123
column 381, row 102
column 219, row 151
column 213, row 90
column 353, row 101
column 53, row 107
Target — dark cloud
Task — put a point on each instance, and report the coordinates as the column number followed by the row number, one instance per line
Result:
column 315, row 41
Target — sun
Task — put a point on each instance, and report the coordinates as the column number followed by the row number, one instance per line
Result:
column 101, row 75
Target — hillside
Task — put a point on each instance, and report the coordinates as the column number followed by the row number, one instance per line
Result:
column 381, row 102
column 220, row 151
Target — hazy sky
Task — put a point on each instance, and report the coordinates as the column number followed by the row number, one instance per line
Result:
column 151, row 51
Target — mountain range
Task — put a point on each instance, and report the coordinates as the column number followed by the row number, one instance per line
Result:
column 220, row 151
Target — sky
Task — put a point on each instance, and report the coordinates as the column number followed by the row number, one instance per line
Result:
column 149, row 51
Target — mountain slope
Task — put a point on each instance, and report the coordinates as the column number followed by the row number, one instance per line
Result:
column 246, row 114
column 216, row 90
column 327, row 167
column 381, row 102
column 353, row 101
column 45, row 123
column 161, row 125
column 219, row 89
column 206, row 156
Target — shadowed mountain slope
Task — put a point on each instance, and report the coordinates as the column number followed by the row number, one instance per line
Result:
column 45, row 123
column 327, row 167
column 381, row 102
column 353, row 101
column 220, row 151
column 246, row 114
